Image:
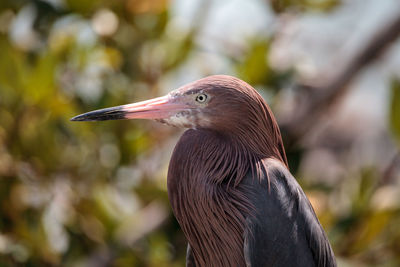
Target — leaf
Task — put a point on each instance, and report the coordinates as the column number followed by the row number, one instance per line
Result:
column 394, row 114
column 254, row 68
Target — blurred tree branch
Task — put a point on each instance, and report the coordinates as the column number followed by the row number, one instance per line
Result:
column 389, row 172
column 320, row 98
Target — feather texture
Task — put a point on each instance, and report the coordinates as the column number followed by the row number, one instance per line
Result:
column 230, row 188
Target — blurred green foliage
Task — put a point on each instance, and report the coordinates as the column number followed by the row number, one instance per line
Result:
column 64, row 194
column 94, row 194
column 395, row 110
column 254, row 67
column 303, row 5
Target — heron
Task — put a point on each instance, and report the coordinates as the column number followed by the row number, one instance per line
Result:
column 228, row 179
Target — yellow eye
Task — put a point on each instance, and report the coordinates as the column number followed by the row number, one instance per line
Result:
column 201, row 98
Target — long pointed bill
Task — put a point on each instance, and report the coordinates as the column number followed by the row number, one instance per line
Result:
column 157, row 108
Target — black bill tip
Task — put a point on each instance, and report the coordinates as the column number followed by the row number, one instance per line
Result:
column 114, row 113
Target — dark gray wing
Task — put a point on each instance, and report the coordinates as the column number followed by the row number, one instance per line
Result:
column 189, row 257
column 284, row 230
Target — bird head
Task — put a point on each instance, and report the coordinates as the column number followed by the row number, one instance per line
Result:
column 216, row 102
column 219, row 103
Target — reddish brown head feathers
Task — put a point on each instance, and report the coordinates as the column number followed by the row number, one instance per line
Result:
column 233, row 108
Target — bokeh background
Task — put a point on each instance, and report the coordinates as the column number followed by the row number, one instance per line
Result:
column 94, row 194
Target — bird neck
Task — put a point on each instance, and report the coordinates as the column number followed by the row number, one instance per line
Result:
column 259, row 136
column 207, row 197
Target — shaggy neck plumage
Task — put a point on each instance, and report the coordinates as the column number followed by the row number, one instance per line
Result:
column 210, row 210
column 207, row 197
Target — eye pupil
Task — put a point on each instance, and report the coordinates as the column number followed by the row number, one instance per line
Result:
column 201, row 98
